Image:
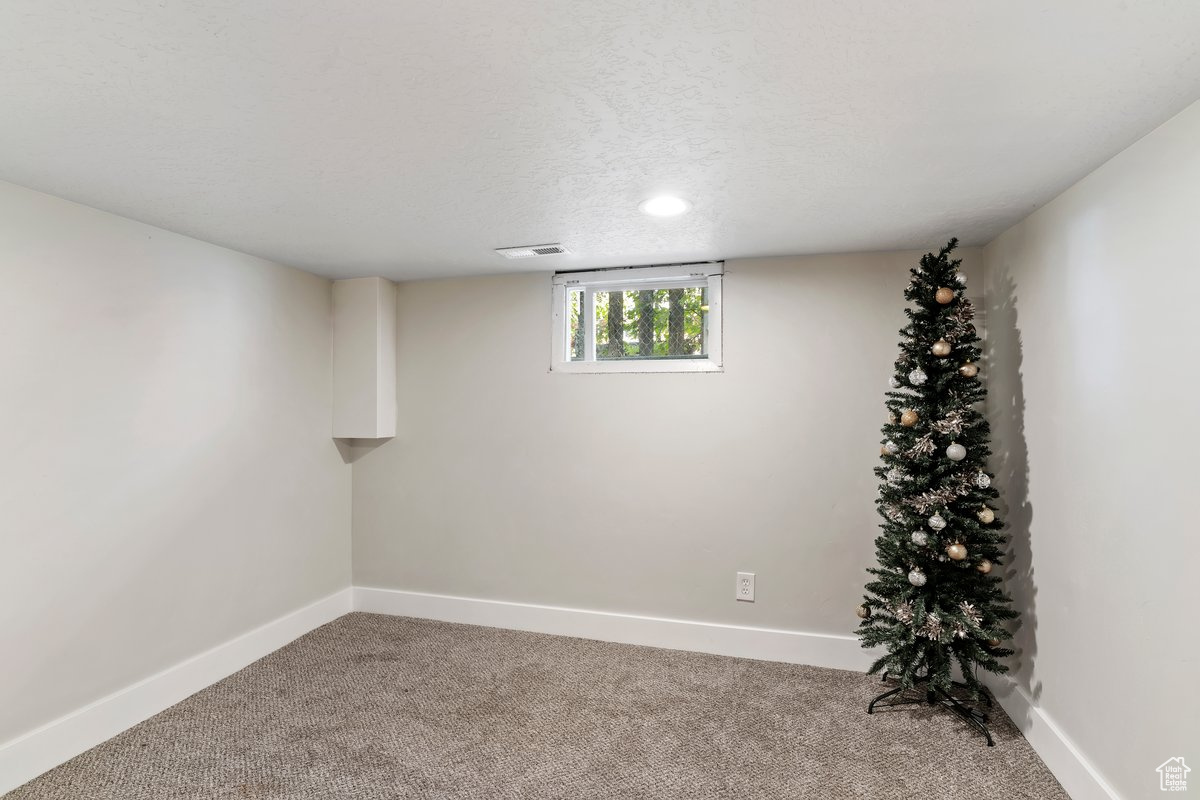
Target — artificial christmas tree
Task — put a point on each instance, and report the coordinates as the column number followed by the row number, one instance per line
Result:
column 936, row 600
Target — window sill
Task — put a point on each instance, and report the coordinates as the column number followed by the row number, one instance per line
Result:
column 682, row 365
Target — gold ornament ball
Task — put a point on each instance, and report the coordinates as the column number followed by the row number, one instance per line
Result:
column 968, row 370
column 993, row 642
column 944, row 295
column 956, row 551
column 908, row 418
column 882, row 450
column 984, row 566
column 986, row 515
column 863, row 611
column 941, row 348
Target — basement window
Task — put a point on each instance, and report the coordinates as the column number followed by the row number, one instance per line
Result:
column 638, row 319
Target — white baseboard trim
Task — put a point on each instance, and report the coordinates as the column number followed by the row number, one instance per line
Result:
column 24, row 758
column 766, row 644
column 1074, row 771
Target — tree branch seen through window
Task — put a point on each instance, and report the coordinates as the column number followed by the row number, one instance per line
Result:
column 656, row 323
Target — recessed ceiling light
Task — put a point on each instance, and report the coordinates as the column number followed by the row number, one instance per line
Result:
column 665, row 206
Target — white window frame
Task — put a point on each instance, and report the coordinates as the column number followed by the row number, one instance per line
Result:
column 633, row 279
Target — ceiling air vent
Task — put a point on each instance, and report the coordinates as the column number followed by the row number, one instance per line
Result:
column 532, row 251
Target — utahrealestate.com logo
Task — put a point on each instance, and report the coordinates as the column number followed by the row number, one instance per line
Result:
column 1172, row 775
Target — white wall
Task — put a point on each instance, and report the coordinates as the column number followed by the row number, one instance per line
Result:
column 639, row 493
column 167, row 477
column 1094, row 352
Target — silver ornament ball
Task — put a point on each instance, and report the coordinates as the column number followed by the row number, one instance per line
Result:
column 917, row 377
column 920, row 538
column 937, row 522
column 916, row 577
column 961, row 279
column 983, row 480
column 894, row 382
column 891, row 447
column 956, row 452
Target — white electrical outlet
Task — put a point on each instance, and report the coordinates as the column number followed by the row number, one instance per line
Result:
column 745, row 587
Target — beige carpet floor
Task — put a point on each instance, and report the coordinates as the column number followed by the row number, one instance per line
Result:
column 372, row 706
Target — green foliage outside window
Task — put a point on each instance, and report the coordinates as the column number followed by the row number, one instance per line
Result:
column 652, row 323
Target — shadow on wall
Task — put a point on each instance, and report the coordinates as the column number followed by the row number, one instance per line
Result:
column 352, row 450
column 1006, row 416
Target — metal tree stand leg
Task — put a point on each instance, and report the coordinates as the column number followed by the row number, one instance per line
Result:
column 934, row 696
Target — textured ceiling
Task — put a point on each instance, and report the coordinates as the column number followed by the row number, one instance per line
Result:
column 409, row 138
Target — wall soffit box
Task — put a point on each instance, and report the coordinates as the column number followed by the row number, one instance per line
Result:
column 364, row 358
